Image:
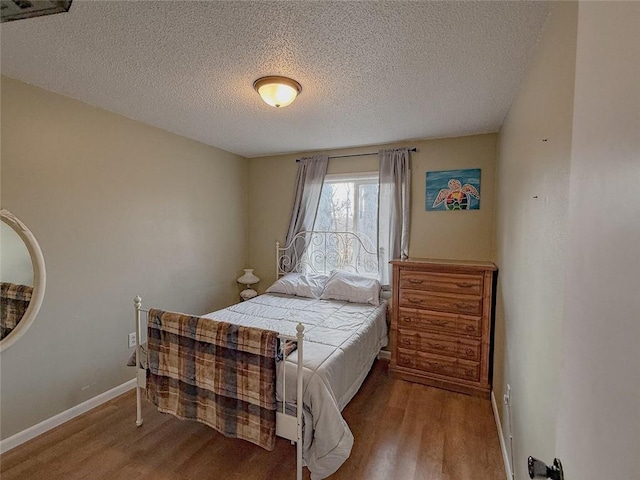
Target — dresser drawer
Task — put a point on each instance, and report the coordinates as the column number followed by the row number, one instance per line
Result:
column 442, row 302
column 412, row 319
column 468, row 349
column 425, row 362
column 441, row 282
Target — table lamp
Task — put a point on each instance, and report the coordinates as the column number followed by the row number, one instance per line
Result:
column 248, row 279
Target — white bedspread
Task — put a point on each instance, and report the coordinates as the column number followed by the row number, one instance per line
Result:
column 341, row 341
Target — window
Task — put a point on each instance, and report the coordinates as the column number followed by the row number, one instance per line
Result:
column 349, row 202
column 372, row 206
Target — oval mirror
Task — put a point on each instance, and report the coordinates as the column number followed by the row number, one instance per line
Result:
column 22, row 279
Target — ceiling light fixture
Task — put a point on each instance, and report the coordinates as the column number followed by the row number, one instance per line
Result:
column 277, row 91
column 19, row 9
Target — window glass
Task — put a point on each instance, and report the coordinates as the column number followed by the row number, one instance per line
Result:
column 349, row 202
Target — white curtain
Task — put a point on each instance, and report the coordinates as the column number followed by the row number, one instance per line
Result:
column 393, row 209
column 309, row 181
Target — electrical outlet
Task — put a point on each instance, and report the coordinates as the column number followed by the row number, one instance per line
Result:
column 507, row 395
column 132, row 339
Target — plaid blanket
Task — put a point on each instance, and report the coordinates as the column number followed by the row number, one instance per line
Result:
column 14, row 301
column 216, row 373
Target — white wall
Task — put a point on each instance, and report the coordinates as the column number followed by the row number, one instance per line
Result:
column 534, row 153
column 119, row 208
column 599, row 419
column 568, row 246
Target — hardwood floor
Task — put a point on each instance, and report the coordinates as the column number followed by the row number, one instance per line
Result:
column 402, row 431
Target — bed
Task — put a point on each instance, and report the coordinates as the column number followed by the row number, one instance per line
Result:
column 339, row 329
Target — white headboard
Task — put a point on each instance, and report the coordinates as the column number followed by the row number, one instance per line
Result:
column 321, row 252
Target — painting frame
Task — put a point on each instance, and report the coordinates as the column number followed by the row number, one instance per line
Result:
column 451, row 190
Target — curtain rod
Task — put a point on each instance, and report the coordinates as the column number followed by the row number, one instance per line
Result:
column 412, row 149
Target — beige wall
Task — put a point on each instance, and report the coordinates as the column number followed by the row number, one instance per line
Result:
column 458, row 235
column 534, row 153
column 119, row 208
column 599, row 415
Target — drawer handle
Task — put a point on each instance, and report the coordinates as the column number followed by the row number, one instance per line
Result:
column 470, row 328
column 415, row 281
column 433, row 365
column 407, row 319
column 464, row 306
column 464, row 285
column 406, row 341
column 440, row 323
column 469, row 373
column 414, row 300
column 470, row 352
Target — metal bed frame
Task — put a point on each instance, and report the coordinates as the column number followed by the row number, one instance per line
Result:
column 308, row 251
column 323, row 251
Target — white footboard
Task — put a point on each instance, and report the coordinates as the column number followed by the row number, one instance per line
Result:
column 141, row 374
column 287, row 426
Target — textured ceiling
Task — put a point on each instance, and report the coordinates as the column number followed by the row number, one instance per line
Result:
column 371, row 72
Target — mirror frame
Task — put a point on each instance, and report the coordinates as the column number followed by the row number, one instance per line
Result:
column 39, row 278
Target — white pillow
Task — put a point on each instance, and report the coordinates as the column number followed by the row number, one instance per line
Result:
column 351, row 287
column 308, row 285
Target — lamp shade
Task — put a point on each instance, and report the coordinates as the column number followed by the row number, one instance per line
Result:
column 248, row 278
column 277, row 91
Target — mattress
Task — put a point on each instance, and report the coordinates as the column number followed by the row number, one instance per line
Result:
column 341, row 341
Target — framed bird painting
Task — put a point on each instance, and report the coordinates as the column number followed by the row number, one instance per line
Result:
column 453, row 190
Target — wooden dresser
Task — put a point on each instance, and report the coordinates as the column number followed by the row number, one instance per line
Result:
column 441, row 323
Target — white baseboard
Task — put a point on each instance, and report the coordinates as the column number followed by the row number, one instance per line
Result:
column 503, row 445
column 46, row 425
column 384, row 355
